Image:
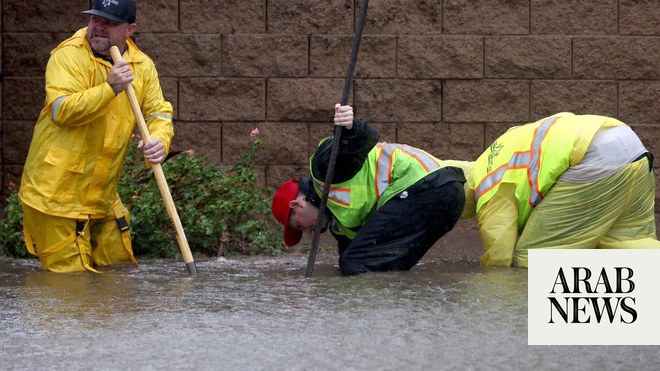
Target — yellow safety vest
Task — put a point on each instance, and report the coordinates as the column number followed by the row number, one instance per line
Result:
column 533, row 156
column 389, row 169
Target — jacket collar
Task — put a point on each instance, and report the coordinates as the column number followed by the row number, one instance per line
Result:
column 133, row 55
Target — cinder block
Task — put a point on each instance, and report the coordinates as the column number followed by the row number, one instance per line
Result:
column 157, row 16
column 617, row 58
column 265, row 55
column 203, row 138
column 16, row 141
column 386, row 17
column 303, row 99
column 638, row 102
column 639, row 17
column 281, row 143
column 388, row 131
column 494, row 130
column 44, row 16
column 22, row 99
column 579, row 97
column 486, row 17
column 183, row 55
column 329, row 56
column 485, row 101
column 443, row 57
column 574, row 17
column 528, row 57
column 444, row 141
column 310, row 17
column 26, row 54
column 278, row 174
column 221, row 99
column 318, row 132
column 222, row 16
column 399, row 100
column 170, row 88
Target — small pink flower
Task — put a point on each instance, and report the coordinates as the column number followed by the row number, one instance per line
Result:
column 254, row 133
column 190, row 152
column 11, row 186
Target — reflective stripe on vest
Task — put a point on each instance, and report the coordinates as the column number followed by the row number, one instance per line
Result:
column 341, row 196
column 384, row 163
column 530, row 159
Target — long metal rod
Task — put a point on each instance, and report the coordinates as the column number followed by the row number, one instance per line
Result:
column 337, row 133
column 160, row 177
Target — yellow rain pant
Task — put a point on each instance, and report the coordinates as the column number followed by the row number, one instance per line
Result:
column 612, row 213
column 70, row 245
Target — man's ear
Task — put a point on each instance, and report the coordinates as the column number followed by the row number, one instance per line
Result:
column 295, row 204
column 132, row 27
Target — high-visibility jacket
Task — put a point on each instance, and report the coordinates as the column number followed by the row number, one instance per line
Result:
column 389, row 169
column 533, row 156
column 83, row 131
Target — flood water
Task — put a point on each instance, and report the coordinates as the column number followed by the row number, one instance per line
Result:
column 264, row 315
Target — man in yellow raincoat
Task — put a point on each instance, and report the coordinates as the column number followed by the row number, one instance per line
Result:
column 73, row 217
column 565, row 181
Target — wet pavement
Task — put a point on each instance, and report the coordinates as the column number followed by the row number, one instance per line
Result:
column 262, row 314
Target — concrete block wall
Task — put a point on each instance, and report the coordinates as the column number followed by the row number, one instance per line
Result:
column 444, row 75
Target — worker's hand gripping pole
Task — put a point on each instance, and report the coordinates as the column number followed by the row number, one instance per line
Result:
column 160, row 176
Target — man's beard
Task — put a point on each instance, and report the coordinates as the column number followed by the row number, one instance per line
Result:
column 100, row 45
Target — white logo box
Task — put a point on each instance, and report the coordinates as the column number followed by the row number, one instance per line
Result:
column 626, row 279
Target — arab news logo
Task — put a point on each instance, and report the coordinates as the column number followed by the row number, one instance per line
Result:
column 593, row 299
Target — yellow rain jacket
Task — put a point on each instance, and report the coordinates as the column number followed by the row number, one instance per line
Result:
column 83, row 131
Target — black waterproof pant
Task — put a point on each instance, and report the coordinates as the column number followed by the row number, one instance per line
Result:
column 398, row 234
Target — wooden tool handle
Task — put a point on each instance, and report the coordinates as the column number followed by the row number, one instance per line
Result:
column 160, row 176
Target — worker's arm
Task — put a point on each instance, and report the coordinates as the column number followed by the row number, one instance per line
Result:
column 357, row 139
column 498, row 226
column 70, row 96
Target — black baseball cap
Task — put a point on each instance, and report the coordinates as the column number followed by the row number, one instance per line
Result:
column 114, row 10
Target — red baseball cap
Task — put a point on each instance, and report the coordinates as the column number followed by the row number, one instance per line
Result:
column 281, row 210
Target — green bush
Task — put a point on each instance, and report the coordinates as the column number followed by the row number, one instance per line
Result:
column 11, row 229
column 223, row 212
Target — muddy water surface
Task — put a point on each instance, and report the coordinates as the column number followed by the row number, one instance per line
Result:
column 264, row 315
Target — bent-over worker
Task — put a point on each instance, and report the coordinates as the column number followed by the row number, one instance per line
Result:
column 566, row 181
column 387, row 205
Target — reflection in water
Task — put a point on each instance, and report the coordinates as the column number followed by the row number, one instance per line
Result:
column 238, row 315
